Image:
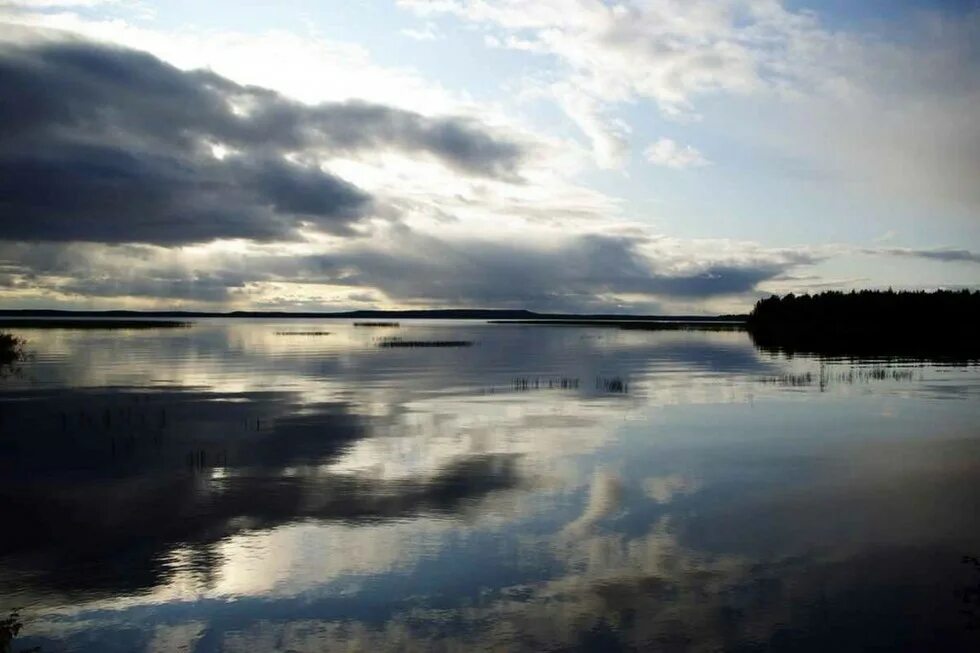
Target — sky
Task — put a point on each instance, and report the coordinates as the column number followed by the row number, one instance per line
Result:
column 657, row 156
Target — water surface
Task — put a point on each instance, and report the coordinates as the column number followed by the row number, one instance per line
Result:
column 246, row 486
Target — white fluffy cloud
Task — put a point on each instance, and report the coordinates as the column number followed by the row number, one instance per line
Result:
column 667, row 152
column 893, row 113
column 667, row 51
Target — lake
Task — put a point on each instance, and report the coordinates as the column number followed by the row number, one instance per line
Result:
column 258, row 485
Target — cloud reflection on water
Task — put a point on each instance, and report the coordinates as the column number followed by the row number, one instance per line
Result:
column 244, row 492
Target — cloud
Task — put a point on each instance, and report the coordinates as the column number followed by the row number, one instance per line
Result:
column 101, row 194
column 669, row 52
column 196, row 287
column 302, row 65
column 428, row 32
column 948, row 255
column 107, row 144
column 403, row 267
column 605, row 500
column 46, row 4
column 892, row 105
column 214, row 159
column 666, row 152
column 609, row 137
column 584, row 272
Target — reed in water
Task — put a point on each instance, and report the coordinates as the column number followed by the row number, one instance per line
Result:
column 11, row 348
column 396, row 342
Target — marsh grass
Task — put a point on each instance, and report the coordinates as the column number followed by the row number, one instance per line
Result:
column 10, row 627
column 525, row 383
column 613, row 384
column 302, row 333
column 11, row 349
column 391, row 343
column 393, row 325
column 825, row 377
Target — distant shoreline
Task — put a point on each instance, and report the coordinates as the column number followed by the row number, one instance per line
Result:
column 940, row 324
column 88, row 323
column 411, row 314
column 647, row 324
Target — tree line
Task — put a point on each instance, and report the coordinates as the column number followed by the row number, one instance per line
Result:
column 870, row 321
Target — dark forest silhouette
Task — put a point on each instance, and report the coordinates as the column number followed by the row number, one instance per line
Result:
column 871, row 322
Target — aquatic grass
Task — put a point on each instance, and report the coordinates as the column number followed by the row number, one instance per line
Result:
column 393, row 325
column 303, row 333
column 389, row 343
column 613, row 384
column 10, row 626
column 11, row 353
column 851, row 376
column 524, row 384
column 791, row 380
column 11, row 349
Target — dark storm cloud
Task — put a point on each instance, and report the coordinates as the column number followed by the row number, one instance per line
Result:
column 947, row 255
column 572, row 275
column 200, row 287
column 104, row 194
column 111, row 145
column 116, row 271
column 718, row 280
column 585, row 273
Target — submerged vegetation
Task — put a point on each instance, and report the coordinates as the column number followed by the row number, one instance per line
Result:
column 940, row 324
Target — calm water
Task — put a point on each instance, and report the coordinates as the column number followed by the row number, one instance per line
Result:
column 229, row 488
